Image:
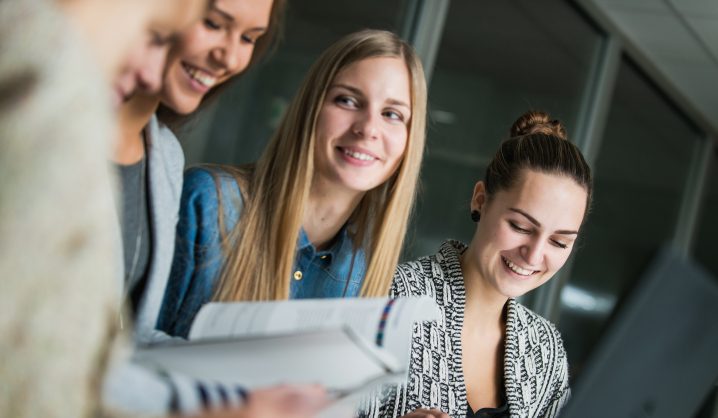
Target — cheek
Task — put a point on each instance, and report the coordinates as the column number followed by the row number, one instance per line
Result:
column 171, row 80
column 245, row 59
column 331, row 124
column 322, row 129
column 558, row 260
column 397, row 143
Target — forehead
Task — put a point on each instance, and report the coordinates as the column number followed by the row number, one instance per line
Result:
column 385, row 76
column 251, row 13
column 556, row 201
column 176, row 15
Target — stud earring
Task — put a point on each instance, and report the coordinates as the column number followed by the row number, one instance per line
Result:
column 475, row 215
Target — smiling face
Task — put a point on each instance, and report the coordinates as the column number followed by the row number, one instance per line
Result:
column 143, row 68
column 213, row 50
column 362, row 128
column 525, row 234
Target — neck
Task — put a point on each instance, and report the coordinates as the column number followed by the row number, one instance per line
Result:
column 134, row 115
column 328, row 209
column 484, row 305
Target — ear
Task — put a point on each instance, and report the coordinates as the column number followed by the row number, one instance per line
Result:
column 479, row 197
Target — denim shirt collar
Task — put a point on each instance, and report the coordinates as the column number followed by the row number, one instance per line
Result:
column 305, row 246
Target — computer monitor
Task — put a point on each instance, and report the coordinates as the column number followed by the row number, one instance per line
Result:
column 659, row 355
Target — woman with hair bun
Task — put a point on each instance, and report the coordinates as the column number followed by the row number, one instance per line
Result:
column 490, row 356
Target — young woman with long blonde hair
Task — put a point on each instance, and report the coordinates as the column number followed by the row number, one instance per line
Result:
column 324, row 211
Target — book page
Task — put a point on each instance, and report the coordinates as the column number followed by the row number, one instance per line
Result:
column 385, row 322
column 337, row 359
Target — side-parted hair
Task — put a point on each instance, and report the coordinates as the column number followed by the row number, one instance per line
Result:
column 538, row 143
column 260, row 251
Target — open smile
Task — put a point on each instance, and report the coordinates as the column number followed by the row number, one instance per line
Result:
column 200, row 76
column 355, row 155
column 516, row 269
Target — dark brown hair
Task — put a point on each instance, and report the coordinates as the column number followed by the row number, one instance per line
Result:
column 537, row 143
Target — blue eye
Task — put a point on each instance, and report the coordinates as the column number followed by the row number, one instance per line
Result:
column 394, row 115
column 346, row 101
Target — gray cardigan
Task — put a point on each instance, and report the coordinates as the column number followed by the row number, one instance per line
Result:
column 129, row 386
column 535, row 364
column 165, row 167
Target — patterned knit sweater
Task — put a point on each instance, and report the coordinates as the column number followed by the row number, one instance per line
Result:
column 535, row 365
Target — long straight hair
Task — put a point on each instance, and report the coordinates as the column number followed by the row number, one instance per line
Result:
column 260, row 250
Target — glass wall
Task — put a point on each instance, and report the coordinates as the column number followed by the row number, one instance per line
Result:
column 707, row 230
column 639, row 179
column 235, row 129
column 496, row 60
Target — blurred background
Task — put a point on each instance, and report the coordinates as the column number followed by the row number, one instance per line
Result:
column 634, row 81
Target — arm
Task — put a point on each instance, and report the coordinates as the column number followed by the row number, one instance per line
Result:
column 198, row 254
column 560, row 397
column 130, row 390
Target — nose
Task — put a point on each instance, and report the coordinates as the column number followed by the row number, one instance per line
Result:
column 366, row 125
column 149, row 78
column 233, row 56
column 533, row 252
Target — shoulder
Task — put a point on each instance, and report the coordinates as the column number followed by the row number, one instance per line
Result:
column 212, row 192
column 424, row 275
column 163, row 141
column 210, row 182
column 412, row 278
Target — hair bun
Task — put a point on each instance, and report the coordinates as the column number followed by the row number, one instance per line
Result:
column 537, row 122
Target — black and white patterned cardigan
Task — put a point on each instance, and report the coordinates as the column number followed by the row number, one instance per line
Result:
column 535, row 364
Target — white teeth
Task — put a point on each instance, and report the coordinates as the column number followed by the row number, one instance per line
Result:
column 516, row 269
column 359, row 155
column 201, row 76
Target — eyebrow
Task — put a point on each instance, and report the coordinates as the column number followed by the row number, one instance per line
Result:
column 224, row 14
column 358, row 92
column 538, row 224
column 230, row 18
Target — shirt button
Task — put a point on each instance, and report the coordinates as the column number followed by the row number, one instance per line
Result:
column 323, row 257
column 297, row 275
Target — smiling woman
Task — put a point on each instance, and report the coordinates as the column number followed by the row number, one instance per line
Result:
column 324, row 211
column 186, row 58
column 495, row 356
column 213, row 51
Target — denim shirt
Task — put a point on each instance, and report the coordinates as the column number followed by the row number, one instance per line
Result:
column 198, row 255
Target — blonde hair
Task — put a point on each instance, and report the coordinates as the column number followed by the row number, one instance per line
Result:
column 260, row 250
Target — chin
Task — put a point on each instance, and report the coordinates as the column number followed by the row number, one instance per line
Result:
column 181, row 106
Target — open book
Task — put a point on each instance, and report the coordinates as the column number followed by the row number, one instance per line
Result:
column 347, row 345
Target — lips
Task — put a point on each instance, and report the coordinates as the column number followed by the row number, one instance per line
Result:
column 361, row 155
column 517, row 269
column 202, row 77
